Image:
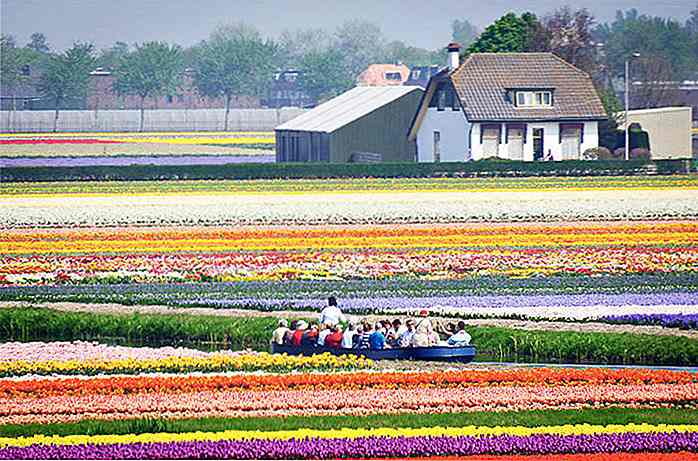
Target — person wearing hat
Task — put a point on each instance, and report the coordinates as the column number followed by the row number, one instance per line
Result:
column 424, row 334
column 301, row 326
column 277, row 337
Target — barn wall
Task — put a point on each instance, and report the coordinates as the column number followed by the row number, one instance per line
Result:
column 301, row 146
column 383, row 131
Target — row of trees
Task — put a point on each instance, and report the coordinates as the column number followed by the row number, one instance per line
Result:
column 236, row 60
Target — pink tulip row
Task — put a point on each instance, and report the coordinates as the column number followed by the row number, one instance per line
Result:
column 338, row 402
column 80, row 350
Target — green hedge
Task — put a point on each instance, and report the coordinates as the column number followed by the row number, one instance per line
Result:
column 40, row 324
column 345, row 170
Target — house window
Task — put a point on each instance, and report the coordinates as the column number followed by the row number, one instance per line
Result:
column 396, row 76
column 534, row 99
column 415, row 74
column 441, row 102
column 437, row 146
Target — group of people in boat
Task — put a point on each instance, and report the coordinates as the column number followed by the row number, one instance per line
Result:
column 334, row 330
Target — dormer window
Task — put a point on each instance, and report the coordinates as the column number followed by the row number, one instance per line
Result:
column 534, row 99
column 397, row 76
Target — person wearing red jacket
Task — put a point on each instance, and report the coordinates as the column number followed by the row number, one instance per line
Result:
column 334, row 339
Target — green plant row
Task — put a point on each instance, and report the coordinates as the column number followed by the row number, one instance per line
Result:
column 346, row 170
column 531, row 418
column 346, row 184
column 40, row 324
column 505, row 344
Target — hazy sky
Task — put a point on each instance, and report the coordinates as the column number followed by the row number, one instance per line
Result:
column 422, row 23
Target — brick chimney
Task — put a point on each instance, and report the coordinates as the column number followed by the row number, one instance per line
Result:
column 453, row 55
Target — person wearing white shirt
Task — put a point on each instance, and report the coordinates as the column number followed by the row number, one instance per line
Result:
column 324, row 333
column 348, row 336
column 332, row 315
column 280, row 333
column 460, row 338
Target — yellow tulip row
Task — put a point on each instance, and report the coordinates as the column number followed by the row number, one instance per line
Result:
column 213, row 363
column 344, row 433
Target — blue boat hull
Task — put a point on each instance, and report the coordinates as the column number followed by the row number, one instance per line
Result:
column 464, row 354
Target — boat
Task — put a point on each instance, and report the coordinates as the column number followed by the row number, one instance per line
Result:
column 464, row 354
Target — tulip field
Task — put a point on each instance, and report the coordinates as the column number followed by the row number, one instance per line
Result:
column 134, row 317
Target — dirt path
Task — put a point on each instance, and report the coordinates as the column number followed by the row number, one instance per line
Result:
column 595, row 327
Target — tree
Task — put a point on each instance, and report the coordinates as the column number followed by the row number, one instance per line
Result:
column 234, row 65
column 463, row 32
column 631, row 32
column 110, row 58
column 14, row 65
column 656, row 85
column 608, row 128
column 398, row 51
column 323, row 74
column 692, row 22
column 296, row 44
column 570, row 37
column 510, row 33
column 38, row 43
column 360, row 43
column 67, row 75
column 151, row 70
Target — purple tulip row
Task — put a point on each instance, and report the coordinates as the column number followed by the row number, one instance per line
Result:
column 683, row 321
column 492, row 301
column 9, row 162
column 368, row 447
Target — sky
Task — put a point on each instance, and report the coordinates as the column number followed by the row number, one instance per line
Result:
column 420, row 23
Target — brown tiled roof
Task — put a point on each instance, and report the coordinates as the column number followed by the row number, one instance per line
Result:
column 483, row 79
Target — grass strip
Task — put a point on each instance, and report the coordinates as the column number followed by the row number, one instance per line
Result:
column 41, row 324
column 531, row 418
column 344, row 184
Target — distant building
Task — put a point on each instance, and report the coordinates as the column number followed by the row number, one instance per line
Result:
column 383, row 75
column 101, row 96
column 516, row 106
column 420, row 75
column 286, row 91
column 364, row 124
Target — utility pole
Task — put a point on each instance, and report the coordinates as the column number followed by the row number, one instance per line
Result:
column 627, row 104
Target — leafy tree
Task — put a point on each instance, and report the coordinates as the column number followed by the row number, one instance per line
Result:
column 151, row 70
column 110, row 58
column 608, row 129
column 650, row 36
column 692, row 22
column 234, row 64
column 323, row 74
column 510, row 33
column 14, row 64
column 360, row 43
column 398, row 51
column 296, row 44
column 463, row 32
column 570, row 37
column 38, row 43
column 67, row 75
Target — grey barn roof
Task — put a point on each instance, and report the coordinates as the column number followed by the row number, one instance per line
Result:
column 346, row 108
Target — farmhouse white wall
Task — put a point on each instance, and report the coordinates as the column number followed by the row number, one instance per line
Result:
column 551, row 140
column 454, row 130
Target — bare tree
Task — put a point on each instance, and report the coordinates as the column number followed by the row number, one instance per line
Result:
column 570, row 37
column 653, row 83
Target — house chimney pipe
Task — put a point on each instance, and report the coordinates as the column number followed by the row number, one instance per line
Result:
column 453, row 55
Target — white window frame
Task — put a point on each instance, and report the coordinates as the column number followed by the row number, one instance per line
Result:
column 535, row 99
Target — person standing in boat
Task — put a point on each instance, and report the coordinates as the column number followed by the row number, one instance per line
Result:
column 424, row 334
column 332, row 314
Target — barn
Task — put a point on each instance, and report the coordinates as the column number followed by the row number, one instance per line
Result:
column 363, row 124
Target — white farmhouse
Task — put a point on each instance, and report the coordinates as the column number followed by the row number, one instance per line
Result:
column 517, row 106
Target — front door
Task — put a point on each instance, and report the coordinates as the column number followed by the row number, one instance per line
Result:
column 516, row 142
column 538, row 146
